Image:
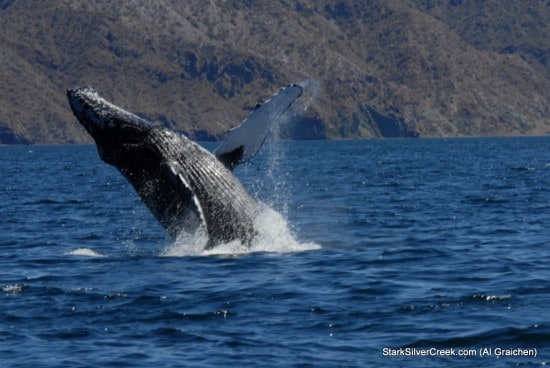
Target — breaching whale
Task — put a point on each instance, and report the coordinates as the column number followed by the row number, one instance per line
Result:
column 185, row 186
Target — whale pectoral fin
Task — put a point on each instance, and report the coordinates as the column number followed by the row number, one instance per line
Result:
column 243, row 142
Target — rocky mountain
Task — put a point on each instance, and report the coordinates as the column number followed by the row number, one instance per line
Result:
column 378, row 68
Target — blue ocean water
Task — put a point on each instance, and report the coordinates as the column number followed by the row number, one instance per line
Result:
column 411, row 253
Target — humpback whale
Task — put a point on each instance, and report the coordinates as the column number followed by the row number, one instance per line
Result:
column 185, row 186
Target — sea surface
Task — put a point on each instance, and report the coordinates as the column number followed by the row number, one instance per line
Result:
column 398, row 253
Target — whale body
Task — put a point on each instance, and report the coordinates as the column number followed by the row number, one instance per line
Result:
column 185, row 186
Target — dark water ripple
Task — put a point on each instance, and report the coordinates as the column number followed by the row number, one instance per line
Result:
column 425, row 244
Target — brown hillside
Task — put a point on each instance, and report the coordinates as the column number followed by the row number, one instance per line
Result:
column 383, row 68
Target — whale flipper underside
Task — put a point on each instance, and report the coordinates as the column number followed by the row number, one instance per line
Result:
column 243, row 142
column 185, row 186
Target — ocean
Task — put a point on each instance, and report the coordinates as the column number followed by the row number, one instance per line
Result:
column 401, row 253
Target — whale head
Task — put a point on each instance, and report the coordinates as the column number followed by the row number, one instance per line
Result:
column 115, row 131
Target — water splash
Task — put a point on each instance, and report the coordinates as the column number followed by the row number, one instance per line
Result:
column 273, row 236
column 275, row 173
column 311, row 91
column 187, row 244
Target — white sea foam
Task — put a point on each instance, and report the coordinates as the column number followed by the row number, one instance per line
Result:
column 273, row 236
column 12, row 289
column 84, row 252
